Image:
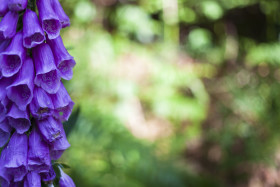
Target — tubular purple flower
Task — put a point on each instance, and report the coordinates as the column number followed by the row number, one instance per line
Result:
column 21, row 90
column 8, row 25
column 32, row 179
column 38, row 153
column 5, row 131
column 48, row 176
column 4, row 82
column 3, row 7
column 58, row 146
column 18, row 119
column 64, row 61
column 13, row 56
column 33, row 34
column 63, row 104
column 46, row 73
column 50, row 129
column 4, row 177
column 49, row 20
column 63, row 18
column 65, row 180
column 16, row 158
column 17, row 5
column 41, row 105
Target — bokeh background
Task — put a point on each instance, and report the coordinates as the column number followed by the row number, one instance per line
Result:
column 174, row 93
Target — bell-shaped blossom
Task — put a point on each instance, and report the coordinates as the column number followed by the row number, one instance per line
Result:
column 5, row 178
column 3, row 7
column 8, row 25
column 4, row 82
column 5, row 131
column 13, row 56
column 64, row 61
column 41, row 105
column 58, row 146
column 65, row 180
column 63, row 104
column 63, row 18
column 49, row 20
column 46, row 73
column 38, row 153
column 17, row 5
column 48, row 176
column 32, row 179
column 18, row 119
column 33, row 34
column 21, row 90
column 50, row 129
column 16, row 156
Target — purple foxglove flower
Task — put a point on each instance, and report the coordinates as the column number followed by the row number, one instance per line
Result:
column 8, row 25
column 3, row 7
column 63, row 18
column 33, row 34
column 62, row 103
column 41, row 106
column 48, row 176
column 32, row 179
column 17, row 5
column 38, row 153
column 64, row 61
column 21, row 90
column 49, row 20
column 46, row 73
column 5, row 131
column 13, row 56
column 50, row 129
column 4, row 82
column 5, row 178
column 58, row 146
column 65, row 180
column 18, row 119
column 16, row 156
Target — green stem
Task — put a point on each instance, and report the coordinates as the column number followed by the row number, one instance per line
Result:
column 32, row 5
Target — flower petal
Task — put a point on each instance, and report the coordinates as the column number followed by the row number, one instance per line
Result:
column 41, row 106
column 17, row 5
column 16, row 158
column 33, row 34
column 46, row 73
column 18, row 119
column 50, row 129
column 21, row 90
column 38, row 153
column 62, row 103
column 13, row 57
column 8, row 25
column 49, row 20
column 64, row 61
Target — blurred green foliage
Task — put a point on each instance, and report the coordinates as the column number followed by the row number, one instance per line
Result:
column 174, row 92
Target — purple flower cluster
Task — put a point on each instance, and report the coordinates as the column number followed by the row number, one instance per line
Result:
column 33, row 100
